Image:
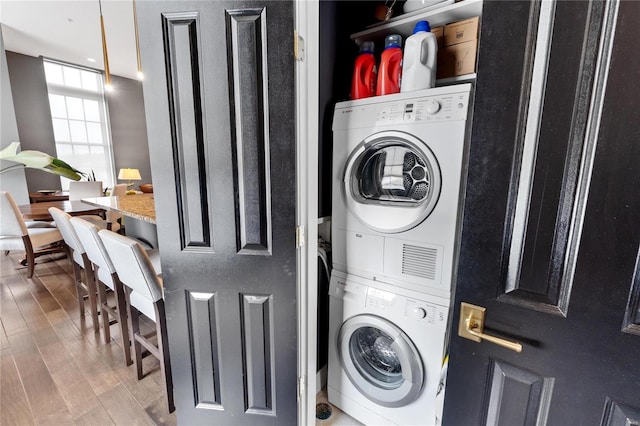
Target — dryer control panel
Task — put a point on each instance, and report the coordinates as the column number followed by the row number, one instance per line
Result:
column 440, row 108
column 440, row 104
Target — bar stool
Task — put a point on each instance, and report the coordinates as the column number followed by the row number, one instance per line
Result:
column 80, row 263
column 144, row 288
column 105, row 276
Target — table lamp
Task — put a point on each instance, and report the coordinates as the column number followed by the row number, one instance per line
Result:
column 130, row 175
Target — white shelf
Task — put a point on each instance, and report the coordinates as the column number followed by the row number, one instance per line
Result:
column 436, row 16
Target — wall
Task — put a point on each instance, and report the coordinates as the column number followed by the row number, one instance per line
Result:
column 338, row 20
column 126, row 119
column 128, row 127
column 15, row 181
column 33, row 116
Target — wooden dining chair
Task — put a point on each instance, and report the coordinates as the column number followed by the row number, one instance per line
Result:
column 92, row 189
column 14, row 234
column 144, row 296
column 80, row 262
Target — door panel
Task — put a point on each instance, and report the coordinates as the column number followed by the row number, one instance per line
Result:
column 248, row 78
column 220, row 112
column 549, row 147
column 631, row 322
column 620, row 415
column 516, row 396
column 550, row 235
column 181, row 32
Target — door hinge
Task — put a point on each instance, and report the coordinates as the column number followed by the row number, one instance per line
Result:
column 298, row 46
column 299, row 236
column 301, row 385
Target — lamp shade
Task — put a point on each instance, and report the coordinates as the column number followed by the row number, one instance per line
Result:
column 129, row 174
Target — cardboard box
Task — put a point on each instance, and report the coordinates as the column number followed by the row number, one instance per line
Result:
column 461, row 31
column 439, row 33
column 459, row 59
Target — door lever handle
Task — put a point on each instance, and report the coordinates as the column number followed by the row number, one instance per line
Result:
column 471, row 327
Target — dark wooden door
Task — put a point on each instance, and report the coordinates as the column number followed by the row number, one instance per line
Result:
column 219, row 98
column 552, row 220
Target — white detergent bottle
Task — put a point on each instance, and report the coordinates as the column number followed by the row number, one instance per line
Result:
column 419, row 61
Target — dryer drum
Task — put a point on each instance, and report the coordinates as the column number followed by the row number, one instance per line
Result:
column 373, row 173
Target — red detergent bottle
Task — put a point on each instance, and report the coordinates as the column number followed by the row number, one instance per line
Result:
column 390, row 72
column 365, row 73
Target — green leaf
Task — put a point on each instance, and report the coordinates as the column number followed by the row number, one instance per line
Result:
column 69, row 172
column 38, row 160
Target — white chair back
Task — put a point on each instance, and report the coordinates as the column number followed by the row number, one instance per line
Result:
column 119, row 189
column 69, row 235
column 11, row 222
column 132, row 264
column 87, row 233
column 80, row 190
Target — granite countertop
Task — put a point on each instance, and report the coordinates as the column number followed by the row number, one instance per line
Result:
column 138, row 206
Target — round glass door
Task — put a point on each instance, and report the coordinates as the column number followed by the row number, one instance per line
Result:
column 380, row 360
column 392, row 181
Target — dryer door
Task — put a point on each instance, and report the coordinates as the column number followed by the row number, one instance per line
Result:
column 380, row 360
column 392, row 181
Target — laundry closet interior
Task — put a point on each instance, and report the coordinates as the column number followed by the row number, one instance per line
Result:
column 383, row 331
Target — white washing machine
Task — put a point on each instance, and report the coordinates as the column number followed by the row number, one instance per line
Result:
column 397, row 186
column 386, row 347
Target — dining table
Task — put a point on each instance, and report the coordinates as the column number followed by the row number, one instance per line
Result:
column 40, row 211
column 43, row 196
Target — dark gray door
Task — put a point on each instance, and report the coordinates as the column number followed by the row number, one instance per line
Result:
column 219, row 98
column 552, row 220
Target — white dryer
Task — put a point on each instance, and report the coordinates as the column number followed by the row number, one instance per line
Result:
column 386, row 347
column 397, row 186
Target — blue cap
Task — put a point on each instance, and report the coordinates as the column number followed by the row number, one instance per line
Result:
column 393, row 40
column 422, row 26
column 367, row 47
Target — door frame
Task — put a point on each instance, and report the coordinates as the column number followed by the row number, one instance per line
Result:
column 307, row 79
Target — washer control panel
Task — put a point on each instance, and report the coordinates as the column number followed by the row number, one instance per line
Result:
column 380, row 299
column 418, row 310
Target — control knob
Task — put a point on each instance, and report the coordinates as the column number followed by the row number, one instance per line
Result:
column 433, row 107
column 418, row 313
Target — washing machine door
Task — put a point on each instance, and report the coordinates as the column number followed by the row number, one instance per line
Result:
column 380, row 360
column 392, row 181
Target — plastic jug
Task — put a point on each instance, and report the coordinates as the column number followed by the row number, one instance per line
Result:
column 365, row 73
column 390, row 72
column 420, row 59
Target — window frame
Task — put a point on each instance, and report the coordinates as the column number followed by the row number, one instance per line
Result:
column 99, row 96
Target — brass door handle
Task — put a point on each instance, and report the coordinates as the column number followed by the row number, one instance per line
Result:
column 471, row 327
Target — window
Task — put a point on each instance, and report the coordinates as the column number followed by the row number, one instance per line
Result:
column 79, row 116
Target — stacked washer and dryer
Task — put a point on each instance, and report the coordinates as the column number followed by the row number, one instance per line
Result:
column 397, row 205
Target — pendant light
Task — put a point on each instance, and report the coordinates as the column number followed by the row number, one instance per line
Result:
column 107, row 74
column 135, row 27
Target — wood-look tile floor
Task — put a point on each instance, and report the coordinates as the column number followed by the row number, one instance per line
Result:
column 54, row 369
